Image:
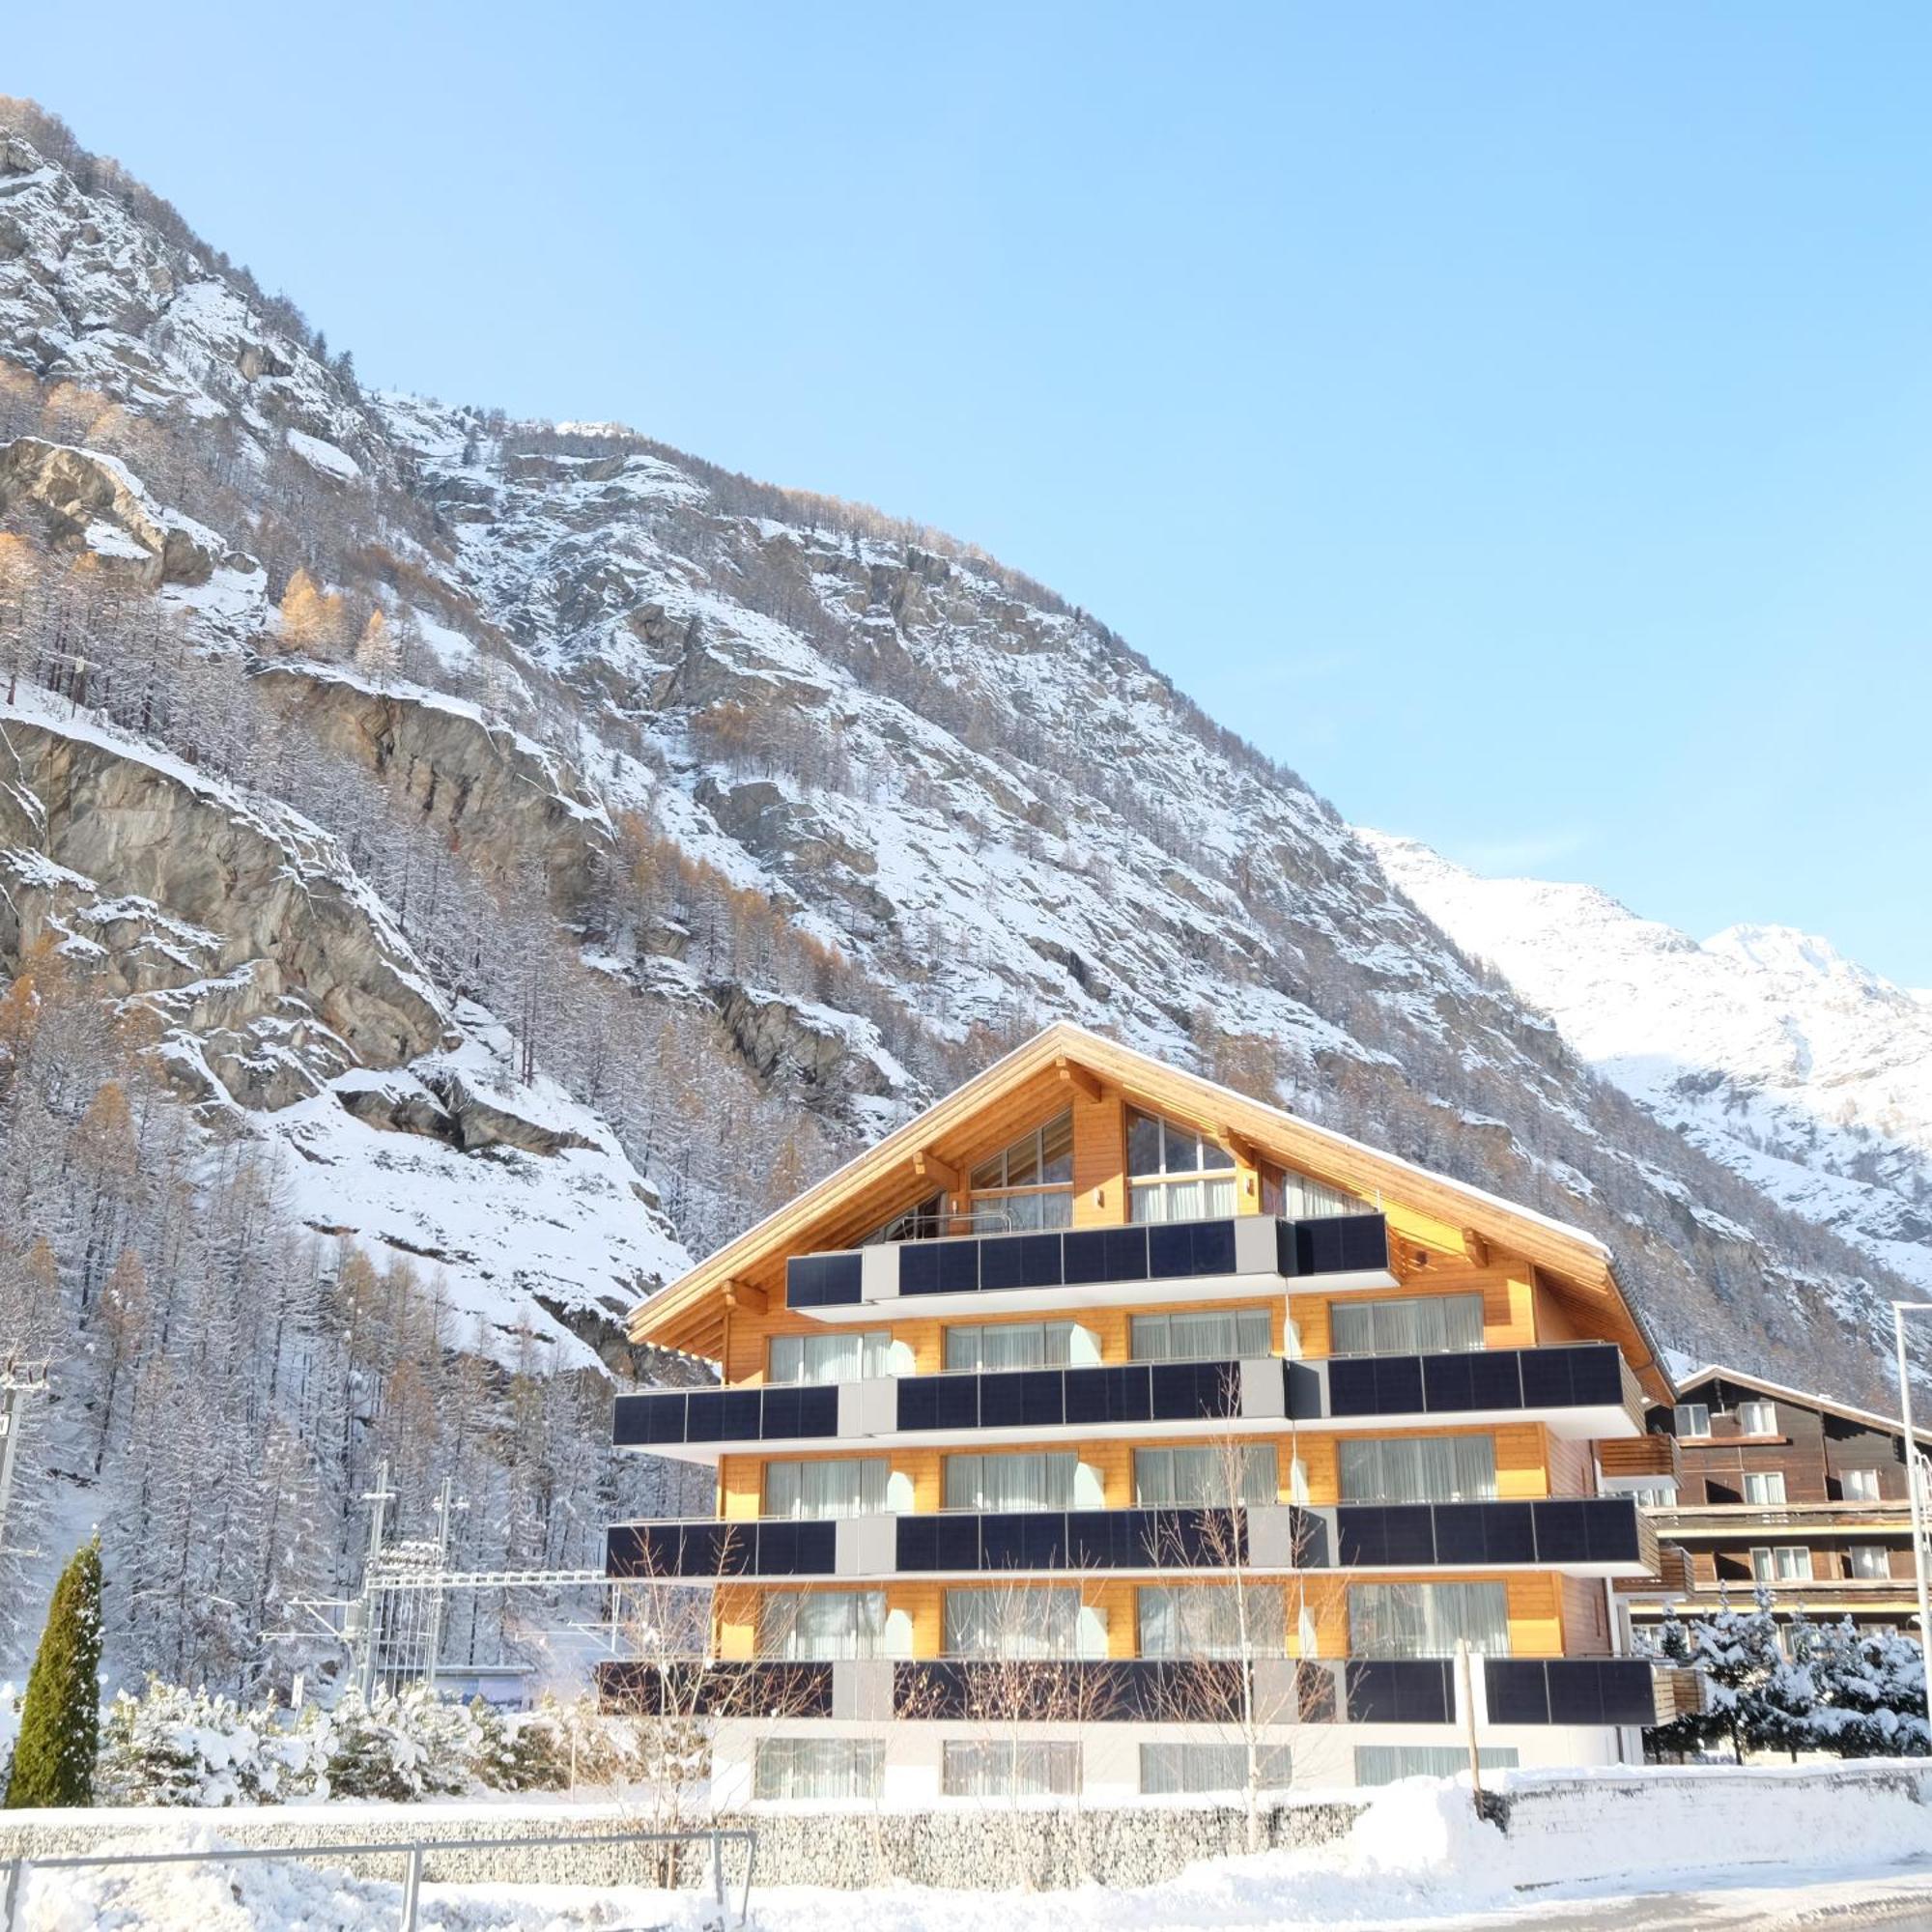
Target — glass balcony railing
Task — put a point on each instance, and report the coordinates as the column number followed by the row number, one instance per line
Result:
column 1597, row 1535
column 1541, row 1690
column 1087, row 1257
column 1586, row 1381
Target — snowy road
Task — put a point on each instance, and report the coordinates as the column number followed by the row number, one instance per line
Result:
column 1898, row 1896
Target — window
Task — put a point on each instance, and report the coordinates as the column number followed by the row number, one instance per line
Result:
column 1203, row 1475
column 1426, row 1619
column 846, row 1485
column 1205, row 1620
column 1782, row 1564
column 1422, row 1325
column 1010, row 1769
column 1293, row 1197
column 1659, row 1498
column 818, row 1768
column 858, row 1355
column 1216, row 1335
column 1037, row 1620
column 1019, row 1344
column 924, row 1222
column 1693, row 1418
column 812, row 1626
column 1383, row 1764
column 1859, row 1485
column 1757, row 1418
column 1029, row 1184
column 1418, row 1469
column 1869, row 1560
column 1169, row 1771
column 1177, row 1176
column 1023, row 1481
column 1764, row 1487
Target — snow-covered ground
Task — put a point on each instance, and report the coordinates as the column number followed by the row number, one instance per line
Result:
column 1624, row 1850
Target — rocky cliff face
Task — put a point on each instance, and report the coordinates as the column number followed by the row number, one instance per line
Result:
column 926, row 805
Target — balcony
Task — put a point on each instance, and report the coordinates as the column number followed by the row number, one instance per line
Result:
column 1784, row 1523
column 1647, row 1462
column 1585, row 1690
column 1581, row 1391
column 1577, row 1536
column 1084, row 1268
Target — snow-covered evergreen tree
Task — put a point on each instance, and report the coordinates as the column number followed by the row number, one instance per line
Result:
column 60, row 1722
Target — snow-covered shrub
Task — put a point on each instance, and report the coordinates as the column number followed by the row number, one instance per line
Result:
column 171, row 1746
column 400, row 1746
column 519, row 1750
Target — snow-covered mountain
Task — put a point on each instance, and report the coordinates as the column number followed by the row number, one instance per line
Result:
column 1805, row 1074
column 715, row 826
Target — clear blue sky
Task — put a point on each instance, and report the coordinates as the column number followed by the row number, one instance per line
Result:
column 1518, row 419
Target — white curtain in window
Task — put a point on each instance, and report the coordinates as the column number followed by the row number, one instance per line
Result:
column 844, row 1356
column 1010, row 1769
column 1211, row 1335
column 818, row 1768
column 1293, row 1197
column 1207, row 1197
column 1200, row 1477
column 1424, row 1469
column 1205, row 1620
column 847, row 1486
column 1428, row 1325
column 1176, row 1770
column 1009, row 1345
column 808, row 1626
column 1035, row 1621
column 1426, row 1619
column 1025, row 1480
column 1764, row 1487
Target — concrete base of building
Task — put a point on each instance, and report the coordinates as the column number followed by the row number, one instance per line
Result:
column 1321, row 1757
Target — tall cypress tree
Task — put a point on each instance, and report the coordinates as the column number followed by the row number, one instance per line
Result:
column 60, row 1722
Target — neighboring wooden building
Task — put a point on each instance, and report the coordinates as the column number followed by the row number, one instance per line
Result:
column 1103, row 1422
column 1771, row 1486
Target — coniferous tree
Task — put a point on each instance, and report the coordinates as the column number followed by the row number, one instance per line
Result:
column 60, row 1722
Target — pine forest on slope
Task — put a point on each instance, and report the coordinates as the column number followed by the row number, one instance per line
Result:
column 662, row 837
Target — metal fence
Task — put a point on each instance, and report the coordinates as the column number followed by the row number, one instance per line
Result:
column 412, row 1851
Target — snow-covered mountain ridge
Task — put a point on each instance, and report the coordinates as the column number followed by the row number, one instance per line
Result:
column 735, row 820
column 1803, row 1072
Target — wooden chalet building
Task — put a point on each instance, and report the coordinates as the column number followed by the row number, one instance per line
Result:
column 1103, row 1429
column 1759, row 1484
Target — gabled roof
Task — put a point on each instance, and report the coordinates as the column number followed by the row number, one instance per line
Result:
column 1066, row 1060
column 1828, row 1405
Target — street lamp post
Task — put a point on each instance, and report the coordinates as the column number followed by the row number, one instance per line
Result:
column 1915, row 1489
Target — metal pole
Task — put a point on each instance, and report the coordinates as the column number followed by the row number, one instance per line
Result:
column 718, row 1874
column 15, row 1892
column 1465, row 1675
column 366, row 1674
column 1914, row 1491
column 446, row 1509
column 413, row 1879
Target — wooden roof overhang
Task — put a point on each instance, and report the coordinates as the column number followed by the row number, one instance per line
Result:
column 1067, row 1063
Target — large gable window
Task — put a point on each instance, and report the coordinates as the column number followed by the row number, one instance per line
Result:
column 1029, row 1184
column 1293, row 1197
column 1175, row 1173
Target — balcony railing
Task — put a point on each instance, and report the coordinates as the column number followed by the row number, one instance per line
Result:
column 1651, row 1460
column 1745, row 1521
column 1581, row 1389
column 1076, row 1266
column 1585, row 1690
column 1603, row 1536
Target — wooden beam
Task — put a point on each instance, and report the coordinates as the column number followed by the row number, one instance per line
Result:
column 741, row 1294
column 1239, row 1145
column 928, row 1166
column 1475, row 1247
column 1078, row 1078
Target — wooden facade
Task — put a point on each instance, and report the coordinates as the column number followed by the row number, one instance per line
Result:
column 1540, row 1287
